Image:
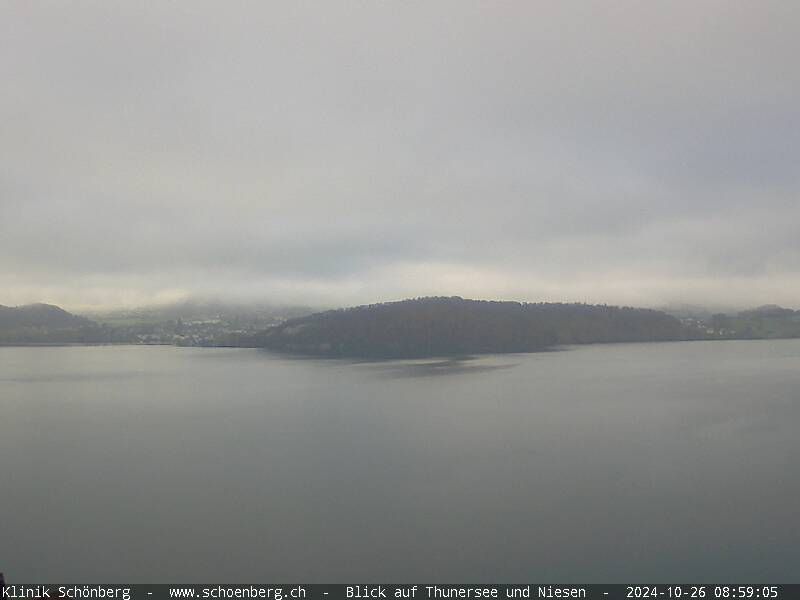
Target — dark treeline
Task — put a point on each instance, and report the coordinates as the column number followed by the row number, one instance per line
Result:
column 448, row 326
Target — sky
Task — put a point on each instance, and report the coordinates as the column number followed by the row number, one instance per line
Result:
column 335, row 153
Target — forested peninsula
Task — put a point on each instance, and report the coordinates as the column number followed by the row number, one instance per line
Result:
column 452, row 325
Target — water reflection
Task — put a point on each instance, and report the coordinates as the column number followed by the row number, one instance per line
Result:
column 439, row 367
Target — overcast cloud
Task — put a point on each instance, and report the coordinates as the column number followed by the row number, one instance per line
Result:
column 350, row 152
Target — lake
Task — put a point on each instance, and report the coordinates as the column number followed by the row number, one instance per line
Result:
column 610, row 463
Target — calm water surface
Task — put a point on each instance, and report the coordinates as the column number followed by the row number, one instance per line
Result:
column 659, row 462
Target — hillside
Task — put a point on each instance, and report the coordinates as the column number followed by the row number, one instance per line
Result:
column 449, row 326
column 46, row 324
column 194, row 322
column 765, row 322
column 191, row 323
column 37, row 315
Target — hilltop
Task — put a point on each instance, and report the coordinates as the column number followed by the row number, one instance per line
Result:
column 46, row 324
column 453, row 325
column 38, row 315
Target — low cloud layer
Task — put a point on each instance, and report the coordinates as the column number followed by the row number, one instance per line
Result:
column 332, row 153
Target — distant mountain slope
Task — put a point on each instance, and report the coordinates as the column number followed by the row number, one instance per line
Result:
column 765, row 322
column 38, row 315
column 769, row 311
column 195, row 322
column 447, row 326
column 45, row 324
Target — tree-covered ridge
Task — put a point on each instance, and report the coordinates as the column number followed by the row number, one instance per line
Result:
column 453, row 325
column 46, row 324
column 765, row 322
column 31, row 315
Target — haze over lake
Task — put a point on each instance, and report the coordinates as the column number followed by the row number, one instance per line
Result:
column 607, row 463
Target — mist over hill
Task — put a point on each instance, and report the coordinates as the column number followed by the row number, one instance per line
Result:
column 200, row 308
column 195, row 321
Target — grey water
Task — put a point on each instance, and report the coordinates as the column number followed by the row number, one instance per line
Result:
column 610, row 463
